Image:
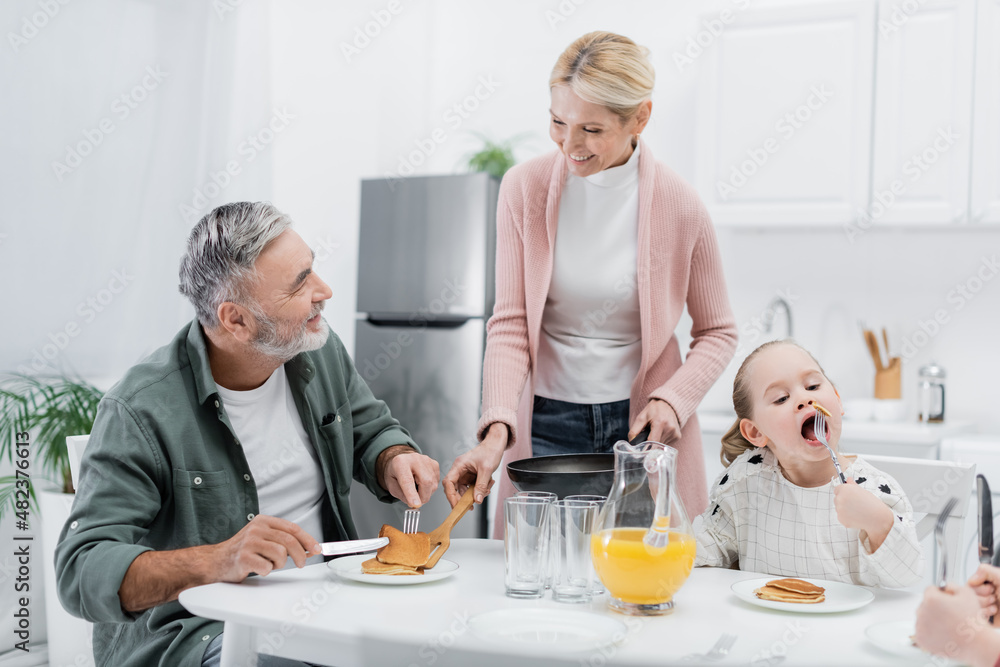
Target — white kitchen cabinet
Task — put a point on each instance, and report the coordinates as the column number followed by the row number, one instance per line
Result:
column 785, row 115
column 923, row 112
column 985, row 196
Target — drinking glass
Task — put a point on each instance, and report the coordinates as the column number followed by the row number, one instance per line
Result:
column 525, row 540
column 572, row 524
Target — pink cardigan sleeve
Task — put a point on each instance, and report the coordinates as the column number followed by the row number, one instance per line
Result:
column 713, row 327
column 506, row 363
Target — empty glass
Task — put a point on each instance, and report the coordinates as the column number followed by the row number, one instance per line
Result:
column 596, row 587
column 572, row 567
column 525, row 540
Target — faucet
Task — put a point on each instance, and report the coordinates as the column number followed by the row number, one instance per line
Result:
column 777, row 303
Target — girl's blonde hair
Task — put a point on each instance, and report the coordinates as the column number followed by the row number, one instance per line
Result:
column 607, row 69
column 733, row 442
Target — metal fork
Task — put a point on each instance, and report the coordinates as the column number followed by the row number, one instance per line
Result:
column 819, row 426
column 942, row 568
column 718, row 651
column 411, row 519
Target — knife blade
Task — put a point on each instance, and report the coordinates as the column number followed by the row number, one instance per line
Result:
column 353, row 546
column 985, row 504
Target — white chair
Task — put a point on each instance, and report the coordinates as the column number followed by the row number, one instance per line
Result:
column 74, row 447
column 929, row 484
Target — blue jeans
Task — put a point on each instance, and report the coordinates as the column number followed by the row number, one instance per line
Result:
column 559, row 427
column 213, row 655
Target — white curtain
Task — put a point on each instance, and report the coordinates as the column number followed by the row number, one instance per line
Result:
column 115, row 114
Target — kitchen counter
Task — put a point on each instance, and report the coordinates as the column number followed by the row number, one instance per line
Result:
column 894, row 434
column 910, row 439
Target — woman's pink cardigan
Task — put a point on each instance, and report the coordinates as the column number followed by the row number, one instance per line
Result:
column 677, row 263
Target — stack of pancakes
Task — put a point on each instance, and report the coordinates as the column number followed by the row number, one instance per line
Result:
column 405, row 554
column 791, row 590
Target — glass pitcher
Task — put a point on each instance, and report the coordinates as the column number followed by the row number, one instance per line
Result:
column 642, row 544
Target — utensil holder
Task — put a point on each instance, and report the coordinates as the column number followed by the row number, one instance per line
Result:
column 887, row 380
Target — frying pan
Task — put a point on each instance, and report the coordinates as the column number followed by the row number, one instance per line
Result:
column 564, row 474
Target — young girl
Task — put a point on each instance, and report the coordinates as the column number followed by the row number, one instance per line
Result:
column 779, row 507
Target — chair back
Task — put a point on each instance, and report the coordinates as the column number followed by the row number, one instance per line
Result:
column 929, row 484
column 74, row 447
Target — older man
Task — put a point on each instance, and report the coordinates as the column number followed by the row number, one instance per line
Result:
column 227, row 452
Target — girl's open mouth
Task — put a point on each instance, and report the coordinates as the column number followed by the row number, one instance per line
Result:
column 809, row 430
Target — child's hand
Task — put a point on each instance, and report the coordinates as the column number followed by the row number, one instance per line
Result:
column 859, row 508
column 985, row 581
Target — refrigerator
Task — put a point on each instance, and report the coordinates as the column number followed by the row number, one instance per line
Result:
column 427, row 249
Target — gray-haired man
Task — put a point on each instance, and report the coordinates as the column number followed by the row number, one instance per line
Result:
column 228, row 451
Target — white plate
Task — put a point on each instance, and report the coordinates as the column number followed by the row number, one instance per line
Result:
column 554, row 630
column 350, row 568
column 894, row 637
column 839, row 596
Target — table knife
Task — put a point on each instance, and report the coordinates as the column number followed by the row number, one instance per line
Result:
column 985, row 504
column 353, row 546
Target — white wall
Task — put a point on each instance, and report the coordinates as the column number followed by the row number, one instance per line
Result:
column 361, row 116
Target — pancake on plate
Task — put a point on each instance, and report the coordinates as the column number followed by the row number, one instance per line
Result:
column 406, row 553
column 795, row 591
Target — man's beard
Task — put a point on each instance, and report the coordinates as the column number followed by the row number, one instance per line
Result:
column 274, row 344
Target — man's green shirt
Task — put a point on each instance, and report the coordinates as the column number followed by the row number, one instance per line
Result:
column 163, row 469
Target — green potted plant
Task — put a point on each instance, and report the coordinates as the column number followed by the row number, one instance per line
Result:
column 49, row 408
column 495, row 157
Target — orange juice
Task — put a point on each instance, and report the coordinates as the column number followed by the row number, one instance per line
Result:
column 637, row 573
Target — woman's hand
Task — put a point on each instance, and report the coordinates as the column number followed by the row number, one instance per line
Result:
column 950, row 623
column 477, row 466
column 859, row 509
column 985, row 581
column 662, row 421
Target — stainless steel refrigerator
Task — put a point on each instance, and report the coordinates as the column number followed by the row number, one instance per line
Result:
column 425, row 291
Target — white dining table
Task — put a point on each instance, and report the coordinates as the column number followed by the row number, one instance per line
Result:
column 314, row 615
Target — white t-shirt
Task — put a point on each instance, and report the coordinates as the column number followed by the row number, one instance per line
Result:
column 590, row 346
column 283, row 462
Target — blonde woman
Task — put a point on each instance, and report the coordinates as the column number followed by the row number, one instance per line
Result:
column 599, row 249
column 779, row 507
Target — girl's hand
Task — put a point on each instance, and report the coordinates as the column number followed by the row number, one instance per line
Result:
column 662, row 421
column 860, row 509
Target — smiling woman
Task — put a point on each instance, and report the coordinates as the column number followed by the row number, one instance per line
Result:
column 599, row 249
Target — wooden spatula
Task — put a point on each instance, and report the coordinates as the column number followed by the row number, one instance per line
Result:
column 441, row 536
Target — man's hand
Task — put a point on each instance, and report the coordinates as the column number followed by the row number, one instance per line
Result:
column 662, row 421
column 985, row 581
column 477, row 466
column 263, row 545
column 407, row 475
column 859, row 509
column 950, row 622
